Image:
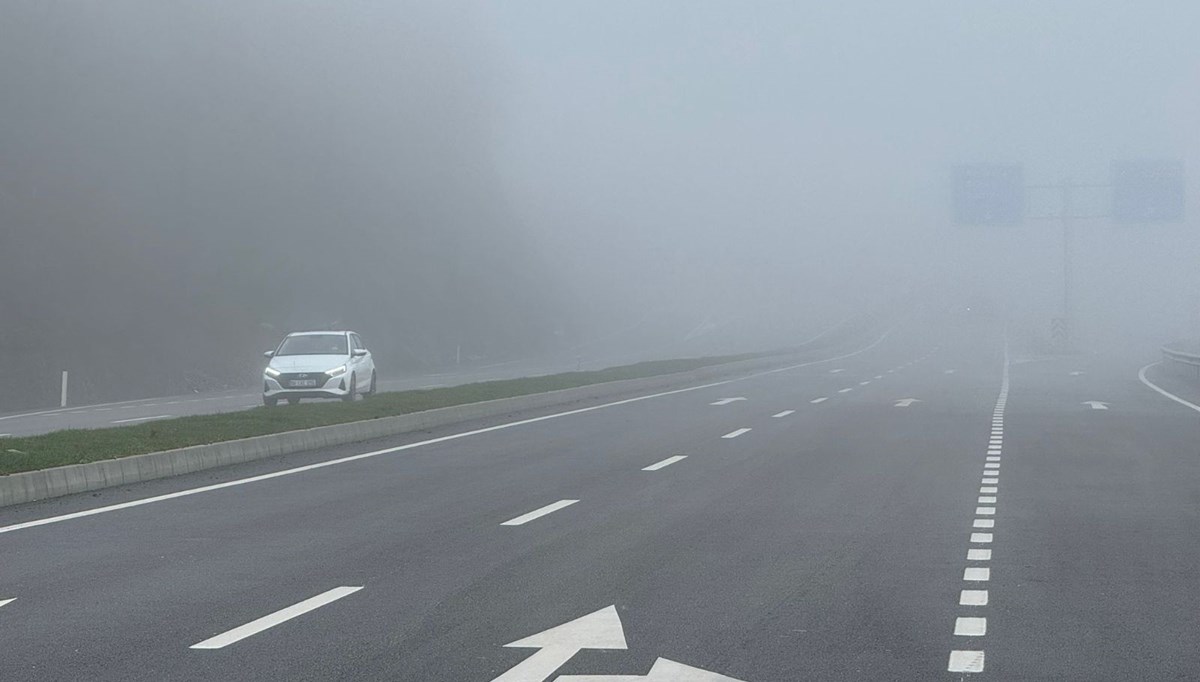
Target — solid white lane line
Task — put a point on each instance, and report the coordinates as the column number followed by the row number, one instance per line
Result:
column 409, row 446
column 269, row 621
column 965, row 662
column 142, row 419
column 735, row 434
column 973, row 598
column 783, row 414
column 665, row 463
column 845, row 390
column 984, row 523
column 982, row 538
column 538, row 513
column 1163, row 392
column 979, row 555
column 977, row 574
column 816, row 401
column 965, row 626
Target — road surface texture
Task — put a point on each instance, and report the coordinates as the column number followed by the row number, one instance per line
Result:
column 928, row 508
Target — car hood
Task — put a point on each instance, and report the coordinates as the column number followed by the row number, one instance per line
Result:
column 307, row 363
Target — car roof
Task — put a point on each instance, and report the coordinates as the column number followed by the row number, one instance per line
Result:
column 327, row 331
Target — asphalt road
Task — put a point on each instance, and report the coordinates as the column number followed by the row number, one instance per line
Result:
column 866, row 536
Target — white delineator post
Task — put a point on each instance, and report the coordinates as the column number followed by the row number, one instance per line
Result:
column 63, row 401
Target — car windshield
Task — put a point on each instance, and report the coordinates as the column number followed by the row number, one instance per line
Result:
column 314, row 344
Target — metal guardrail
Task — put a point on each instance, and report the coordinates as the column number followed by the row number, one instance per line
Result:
column 1181, row 356
column 1170, row 355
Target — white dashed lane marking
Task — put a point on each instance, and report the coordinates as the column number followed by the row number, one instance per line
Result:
column 783, row 414
column 972, row 661
column 269, row 621
column 735, row 434
column 665, row 463
column 816, row 401
column 538, row 513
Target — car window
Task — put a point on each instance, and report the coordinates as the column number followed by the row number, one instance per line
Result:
column 314, row 344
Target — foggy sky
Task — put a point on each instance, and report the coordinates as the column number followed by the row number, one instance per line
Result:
column 544, row 177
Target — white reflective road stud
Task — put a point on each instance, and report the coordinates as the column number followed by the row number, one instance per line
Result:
column 973, row 598
column 970, row 626
column 965, row 662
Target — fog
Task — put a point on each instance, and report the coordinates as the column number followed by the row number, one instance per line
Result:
column 183, row 182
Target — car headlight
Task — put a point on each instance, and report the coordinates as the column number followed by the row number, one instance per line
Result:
column 337, row 371
column 272, row 372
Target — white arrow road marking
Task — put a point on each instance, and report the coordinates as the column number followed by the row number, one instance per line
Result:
column 269, row 621
column 1095, row 404
column 663, row 671
column 7, row 601
column 906, row 402
column 599, row 630
column 665, row 463
column 726, row 401
column 142, row 419
column 538, row 513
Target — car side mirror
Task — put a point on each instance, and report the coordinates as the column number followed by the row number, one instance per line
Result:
column 269, row 354
column 359, row 352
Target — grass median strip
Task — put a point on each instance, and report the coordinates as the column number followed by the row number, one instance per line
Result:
column 79, row 446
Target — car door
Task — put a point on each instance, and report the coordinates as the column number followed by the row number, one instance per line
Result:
column 367, row 360
column 363, row 365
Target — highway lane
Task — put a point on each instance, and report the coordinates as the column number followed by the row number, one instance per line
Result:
column 830, row 542
column 1098, row 553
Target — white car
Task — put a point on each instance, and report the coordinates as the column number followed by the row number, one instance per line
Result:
column 318, row 365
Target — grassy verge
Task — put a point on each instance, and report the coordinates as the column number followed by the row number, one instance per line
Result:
column 79, row 446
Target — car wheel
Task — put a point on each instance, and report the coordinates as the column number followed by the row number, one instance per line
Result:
column 270, row 402
column 371, row 390
column 293, row 401
column 349, row 397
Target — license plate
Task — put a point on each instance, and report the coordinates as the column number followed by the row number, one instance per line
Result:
column 302, row 383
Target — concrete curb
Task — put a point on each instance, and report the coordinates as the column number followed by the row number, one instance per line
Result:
column 43, row 484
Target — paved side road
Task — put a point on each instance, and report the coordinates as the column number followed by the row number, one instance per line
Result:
column 921, row 510
column 36, row 422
